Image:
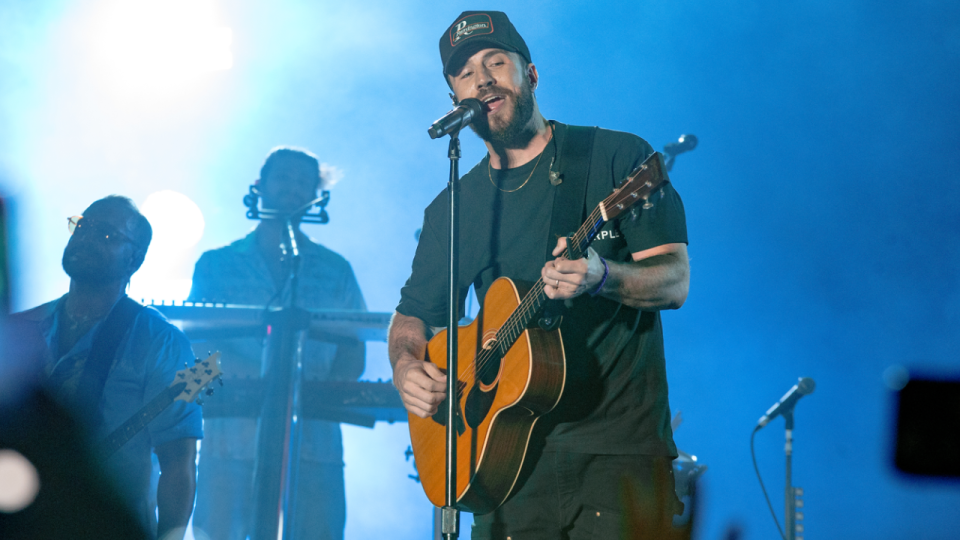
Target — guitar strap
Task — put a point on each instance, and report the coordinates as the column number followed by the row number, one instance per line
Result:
column 574, row 149
column 103, row 353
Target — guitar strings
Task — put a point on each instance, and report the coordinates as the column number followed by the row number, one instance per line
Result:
column 513, row 325
column 595, row 219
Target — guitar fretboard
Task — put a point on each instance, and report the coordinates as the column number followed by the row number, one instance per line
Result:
column 536, row 298
column 137, row 422
column 636, row 187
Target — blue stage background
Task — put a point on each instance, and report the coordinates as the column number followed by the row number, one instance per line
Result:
column 822, row 201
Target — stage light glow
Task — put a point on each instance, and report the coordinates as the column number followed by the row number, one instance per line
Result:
column 176, row 220
column 156, row 48
column 178, row 225
column 19, row 482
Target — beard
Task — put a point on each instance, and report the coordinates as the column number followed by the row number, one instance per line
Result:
column 85, row 266
column 517, row 132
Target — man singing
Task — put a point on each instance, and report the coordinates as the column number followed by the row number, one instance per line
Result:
column 107, row 356
column 612, row 425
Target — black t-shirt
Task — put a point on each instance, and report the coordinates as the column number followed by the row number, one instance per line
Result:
column 615, row 396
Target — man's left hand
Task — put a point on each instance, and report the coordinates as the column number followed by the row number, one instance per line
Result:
column 564, row 278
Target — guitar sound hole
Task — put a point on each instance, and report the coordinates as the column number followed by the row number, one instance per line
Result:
column 489, row 372
column 479, row 401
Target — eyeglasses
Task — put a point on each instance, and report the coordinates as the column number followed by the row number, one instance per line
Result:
column 80, row 225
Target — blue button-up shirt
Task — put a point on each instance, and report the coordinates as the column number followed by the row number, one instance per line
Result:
column 147, row 359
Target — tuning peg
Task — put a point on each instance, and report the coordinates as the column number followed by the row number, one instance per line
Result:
column 197, row 360
column 199, row 401
column 209, row 391
column 220, row 380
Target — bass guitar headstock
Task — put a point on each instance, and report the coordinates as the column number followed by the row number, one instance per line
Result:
column 198, row 377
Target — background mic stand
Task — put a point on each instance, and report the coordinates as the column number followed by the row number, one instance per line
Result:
column 792, row 495
column 685, row 143
column 278, row 430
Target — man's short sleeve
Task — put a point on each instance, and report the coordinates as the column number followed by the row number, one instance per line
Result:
column 168, row 351
column 424, row 295
column 617, row 154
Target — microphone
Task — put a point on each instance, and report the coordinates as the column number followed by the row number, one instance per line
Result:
column 785, row 405
column 457, row 119
column 684, row 144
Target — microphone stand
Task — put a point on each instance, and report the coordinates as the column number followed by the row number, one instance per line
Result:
column 791, row 494
column 278, row 431
column 450, row 514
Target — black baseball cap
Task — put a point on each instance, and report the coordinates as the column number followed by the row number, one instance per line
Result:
column 477, row 30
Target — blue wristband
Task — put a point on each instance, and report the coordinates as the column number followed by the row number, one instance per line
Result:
column 603, row 280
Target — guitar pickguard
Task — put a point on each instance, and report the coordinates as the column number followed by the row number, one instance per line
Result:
column 440, row 416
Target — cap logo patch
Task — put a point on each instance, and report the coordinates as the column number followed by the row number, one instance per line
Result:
column 477, row 24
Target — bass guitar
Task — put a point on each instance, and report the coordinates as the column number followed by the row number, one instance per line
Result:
column 510, row 372
column 187, row 385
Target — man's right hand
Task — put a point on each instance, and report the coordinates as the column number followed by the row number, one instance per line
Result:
column 422, row 385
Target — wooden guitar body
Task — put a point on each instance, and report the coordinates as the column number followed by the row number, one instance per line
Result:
column 500, row 401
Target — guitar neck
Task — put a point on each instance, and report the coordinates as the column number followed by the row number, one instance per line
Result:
column 536, row 298
column 637, row 187
column 137, row 422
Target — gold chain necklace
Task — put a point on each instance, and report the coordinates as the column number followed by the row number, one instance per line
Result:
column 490, row 176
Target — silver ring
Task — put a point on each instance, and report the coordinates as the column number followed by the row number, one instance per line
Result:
column 558, row 284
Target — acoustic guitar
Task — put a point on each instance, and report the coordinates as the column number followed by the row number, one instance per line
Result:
column 187, row 385
column 511, row 372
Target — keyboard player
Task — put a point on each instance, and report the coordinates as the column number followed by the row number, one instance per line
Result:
column 249, row 271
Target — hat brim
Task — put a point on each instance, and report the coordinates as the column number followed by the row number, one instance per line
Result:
column 461, row 55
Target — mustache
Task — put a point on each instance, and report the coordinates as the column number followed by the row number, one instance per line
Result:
column 494, row 90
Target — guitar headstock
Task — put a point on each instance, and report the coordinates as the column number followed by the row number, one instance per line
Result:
column 197, row 377
column 643, row 181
